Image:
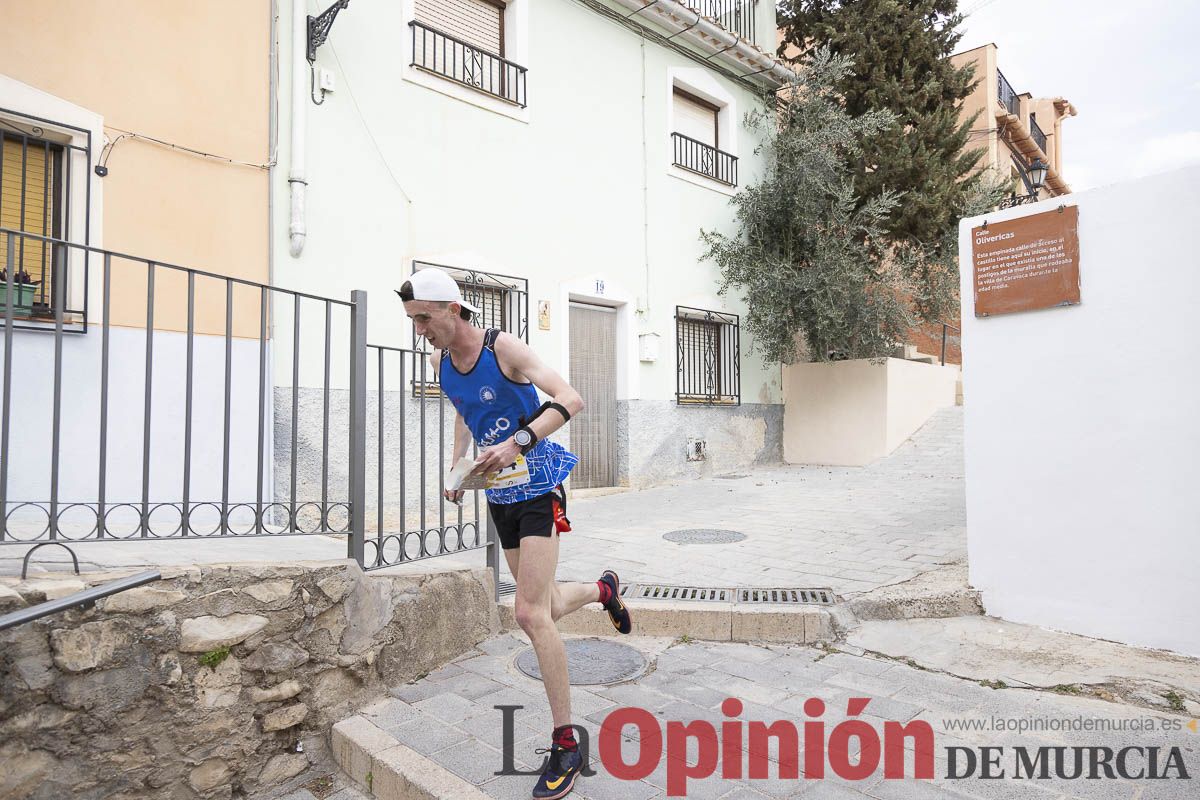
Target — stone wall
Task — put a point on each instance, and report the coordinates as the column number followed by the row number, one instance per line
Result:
column 218, row 681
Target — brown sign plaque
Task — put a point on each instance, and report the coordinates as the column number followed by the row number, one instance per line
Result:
column 1027, row 263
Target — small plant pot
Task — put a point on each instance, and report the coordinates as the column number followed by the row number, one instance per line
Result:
column 22, row 296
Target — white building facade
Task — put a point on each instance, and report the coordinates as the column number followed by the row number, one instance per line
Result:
column 560, row 158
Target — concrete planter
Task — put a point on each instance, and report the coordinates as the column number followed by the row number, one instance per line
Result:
column 850, row 413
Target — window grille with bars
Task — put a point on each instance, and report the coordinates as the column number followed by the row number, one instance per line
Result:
column 708, row 353
column 45, row 169
column 30, row 188
column 502, row 300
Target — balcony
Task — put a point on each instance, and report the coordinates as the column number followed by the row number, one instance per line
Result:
column 735, row 16
column 1007, row 95
column 442, row 54
column 1039, row 138
column 696, row 156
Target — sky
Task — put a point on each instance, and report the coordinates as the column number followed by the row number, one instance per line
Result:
column 1128, row 68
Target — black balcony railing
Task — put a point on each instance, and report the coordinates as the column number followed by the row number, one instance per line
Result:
column 735, row 16
column 1008, row 96
column 1038, row 136
column 443, row 54
column 696, row 156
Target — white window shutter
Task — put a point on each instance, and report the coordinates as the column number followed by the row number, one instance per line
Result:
column 476, row 22
column 694, row 120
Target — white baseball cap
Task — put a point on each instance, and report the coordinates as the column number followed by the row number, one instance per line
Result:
column 434, row 285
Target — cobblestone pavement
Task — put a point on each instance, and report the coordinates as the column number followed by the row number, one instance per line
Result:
column 449, row 716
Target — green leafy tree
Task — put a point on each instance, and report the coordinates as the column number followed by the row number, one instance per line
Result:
column 900, row 49
column 810, row 259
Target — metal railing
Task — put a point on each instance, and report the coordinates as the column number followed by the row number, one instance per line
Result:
column 403, row 528
column 708, row 357
column 735, row 16
column 445, row 55
column 1039, row 138
column 87, row 598
column 946, row 327
column 251, row 421
column 117, row 390
column 1007, row 95
column 696, row 156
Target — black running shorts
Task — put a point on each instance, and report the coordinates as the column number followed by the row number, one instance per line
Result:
column 533, row 517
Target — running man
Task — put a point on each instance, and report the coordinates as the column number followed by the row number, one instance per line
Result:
column 490, row 377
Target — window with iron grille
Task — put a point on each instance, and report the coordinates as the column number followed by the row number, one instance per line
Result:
column 708, row 353
column 35, row 200
column 502, row 300
column 31, row 185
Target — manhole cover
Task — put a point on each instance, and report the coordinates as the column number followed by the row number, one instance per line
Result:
column 704, row 536
column 591, row 662
column 731, row 477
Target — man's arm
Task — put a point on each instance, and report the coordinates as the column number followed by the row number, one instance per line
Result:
column 519, row 362
column 462, row 440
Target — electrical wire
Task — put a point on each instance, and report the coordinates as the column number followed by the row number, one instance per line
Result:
column 124, row 134
column 979, row 5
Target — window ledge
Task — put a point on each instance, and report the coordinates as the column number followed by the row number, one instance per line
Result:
column 459, row 91
column 697, row 179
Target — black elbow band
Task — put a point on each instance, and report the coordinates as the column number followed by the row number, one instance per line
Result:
column 566, row 415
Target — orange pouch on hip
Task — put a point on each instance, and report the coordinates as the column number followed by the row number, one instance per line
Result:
column 561, row 523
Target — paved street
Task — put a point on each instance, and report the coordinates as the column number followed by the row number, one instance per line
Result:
column 449, row 717
column 846, row 528
column 851, row 529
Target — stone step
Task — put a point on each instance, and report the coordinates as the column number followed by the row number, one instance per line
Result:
column 388, row 770
column 707, row 621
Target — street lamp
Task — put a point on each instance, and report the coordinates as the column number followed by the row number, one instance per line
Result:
column 1037, row 174
column 1037, row 179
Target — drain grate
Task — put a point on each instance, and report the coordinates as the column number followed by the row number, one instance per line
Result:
column 821, row 597
column 652, row 591
column 704, row 536
column 507, row 587
column 723, row 594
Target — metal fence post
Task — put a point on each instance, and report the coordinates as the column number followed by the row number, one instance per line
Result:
column 355, row 544
column 493, row 553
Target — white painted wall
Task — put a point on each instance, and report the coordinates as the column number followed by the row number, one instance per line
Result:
column 29, row 467
column 1082, row 437
column 575, row 189
column 851, row 413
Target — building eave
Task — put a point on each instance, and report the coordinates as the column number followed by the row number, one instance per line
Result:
column 714, row 42
column 1019, row 138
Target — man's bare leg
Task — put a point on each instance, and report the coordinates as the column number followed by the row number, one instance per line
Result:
column 537, row 601
column 567, row 597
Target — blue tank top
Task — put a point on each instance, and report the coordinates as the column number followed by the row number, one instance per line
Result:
column 492, row 406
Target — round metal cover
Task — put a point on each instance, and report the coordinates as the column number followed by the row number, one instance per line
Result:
column 591, row 662
column 704, row 536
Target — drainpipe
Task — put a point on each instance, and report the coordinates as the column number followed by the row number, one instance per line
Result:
column 297, row 178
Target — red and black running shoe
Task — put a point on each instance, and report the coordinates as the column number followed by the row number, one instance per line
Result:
column 617, row 612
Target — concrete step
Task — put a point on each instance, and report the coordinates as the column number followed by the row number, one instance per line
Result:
column 388, row 770
column 705, row 620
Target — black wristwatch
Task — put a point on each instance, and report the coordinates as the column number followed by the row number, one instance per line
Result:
column 525, row 438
